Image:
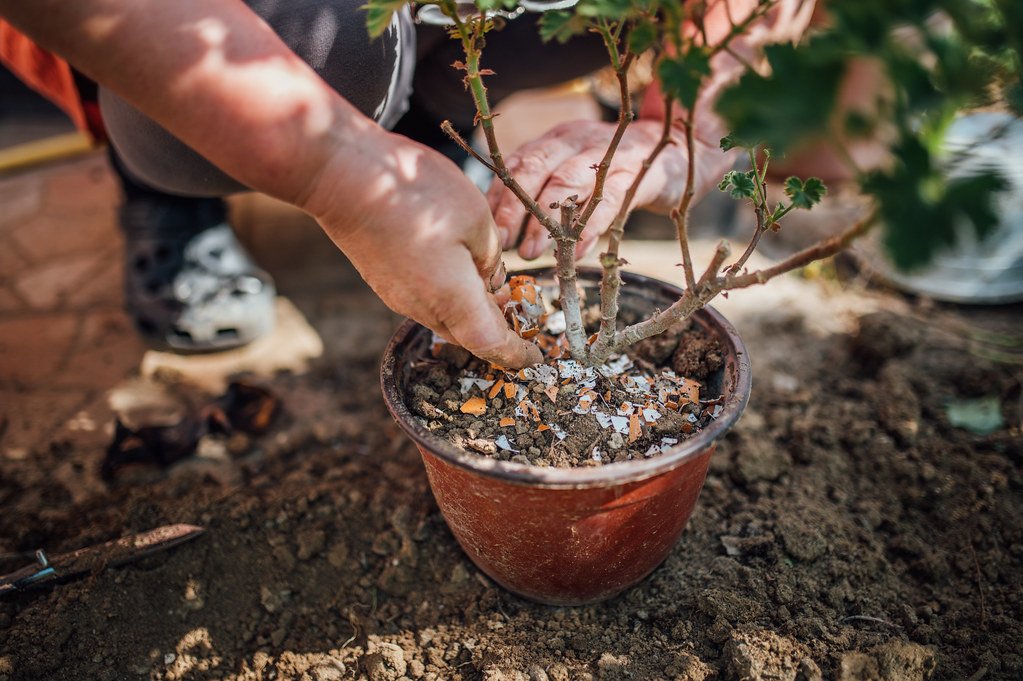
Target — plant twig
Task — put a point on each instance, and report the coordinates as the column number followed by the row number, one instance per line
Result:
column 610, row 282
column 680, row 216
column 453, row 134
column 691, row 301
column 818, row 251
column 474, row 81
column 625, row 116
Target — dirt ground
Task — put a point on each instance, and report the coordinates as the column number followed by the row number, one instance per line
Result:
column 846, row 530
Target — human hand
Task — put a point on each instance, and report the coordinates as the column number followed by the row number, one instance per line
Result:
column 422, row 237
column 560, row 164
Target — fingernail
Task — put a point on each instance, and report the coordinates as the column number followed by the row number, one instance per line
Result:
column 536, row 247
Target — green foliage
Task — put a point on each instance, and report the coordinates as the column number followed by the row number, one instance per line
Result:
column 561, row 25
column 805, row 194
column 922, row 210
column 681, row 76
column 796, row 99
column 739, row 184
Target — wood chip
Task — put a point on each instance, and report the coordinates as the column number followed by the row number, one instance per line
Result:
column 506, row 421
column 476, row 406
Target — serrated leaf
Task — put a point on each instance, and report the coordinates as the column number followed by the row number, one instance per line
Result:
column 642, row 37
column 560, row 25
column 794, row 101
column 739, row 185
column 681, row 76
column 805, row 194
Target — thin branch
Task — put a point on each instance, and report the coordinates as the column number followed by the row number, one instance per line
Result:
column 738, row 57
column 610, row 282
column 760, row 209
column 625, row 116
column 453, row 134
column 680, row 216
column 758, row 232
column 818, row 251
column 474, row 80
column 691, row 301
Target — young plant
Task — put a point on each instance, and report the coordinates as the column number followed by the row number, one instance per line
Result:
column 940, row 56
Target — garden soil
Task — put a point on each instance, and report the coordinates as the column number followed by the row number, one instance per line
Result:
column 847, row 530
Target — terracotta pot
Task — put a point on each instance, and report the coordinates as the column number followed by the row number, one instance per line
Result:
column 569, row 536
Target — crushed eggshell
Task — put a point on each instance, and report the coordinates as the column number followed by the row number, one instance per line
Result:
column 466, row 384
column 634, row 428
column 556, row 324
column 476, row 406
column 503, row 443
column 496, row 389
column 690, row 391
column 506, row 421
column 651, row 415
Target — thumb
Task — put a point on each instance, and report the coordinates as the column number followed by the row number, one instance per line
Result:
column 479, row 327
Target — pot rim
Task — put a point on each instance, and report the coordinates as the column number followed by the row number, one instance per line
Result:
column 570, row 478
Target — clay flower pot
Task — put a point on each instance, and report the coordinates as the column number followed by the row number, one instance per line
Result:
column 569, row 536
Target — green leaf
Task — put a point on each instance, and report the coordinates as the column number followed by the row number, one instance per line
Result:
column 792, row 103
column 681, row 76
column 922, row 211
column 981, row 416
column 738, row 184
column 560, row 25
column 379, row 14
column 642, row 37
column 806, row 194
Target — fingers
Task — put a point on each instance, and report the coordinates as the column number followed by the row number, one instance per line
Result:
column 475, row 322
column 572, row 178
column 532, row 166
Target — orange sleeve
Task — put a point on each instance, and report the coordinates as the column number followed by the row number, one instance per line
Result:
column 43, row 71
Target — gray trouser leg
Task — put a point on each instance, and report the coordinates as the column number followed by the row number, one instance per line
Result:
column 330, row 36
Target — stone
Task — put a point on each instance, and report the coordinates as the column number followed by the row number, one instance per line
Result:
column 386, row 663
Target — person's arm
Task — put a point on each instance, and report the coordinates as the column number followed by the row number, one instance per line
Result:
column 560, row 163
column 215, row 75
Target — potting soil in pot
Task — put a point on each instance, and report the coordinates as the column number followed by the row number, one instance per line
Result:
column 563, row 413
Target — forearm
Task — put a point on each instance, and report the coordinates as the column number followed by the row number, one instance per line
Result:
column 215, row 75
